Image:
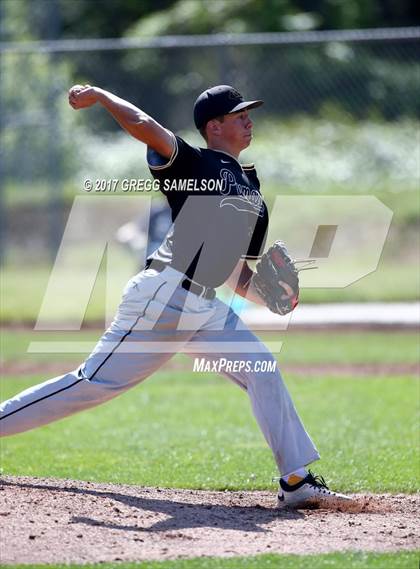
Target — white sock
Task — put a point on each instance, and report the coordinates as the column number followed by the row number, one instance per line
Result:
column 295, row 476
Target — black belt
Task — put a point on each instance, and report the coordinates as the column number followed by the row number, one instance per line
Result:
column 200, row 290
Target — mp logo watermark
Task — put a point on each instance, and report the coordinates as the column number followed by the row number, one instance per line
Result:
column 344, row 234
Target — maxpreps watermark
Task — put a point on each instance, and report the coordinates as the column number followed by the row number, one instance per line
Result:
column 234, row 366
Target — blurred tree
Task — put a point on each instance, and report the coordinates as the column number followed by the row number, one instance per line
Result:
column 357, row 80
column 360, row 80
column 205, row 16
column 31, row 93
column 105, row 18
column 31, row 20
column 26, row 19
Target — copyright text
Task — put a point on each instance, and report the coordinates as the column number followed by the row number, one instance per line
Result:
column 115, row 185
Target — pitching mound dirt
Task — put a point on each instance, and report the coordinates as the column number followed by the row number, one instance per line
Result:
column 51, row 521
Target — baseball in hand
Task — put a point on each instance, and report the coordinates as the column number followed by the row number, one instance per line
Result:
column 76, row 89
column 81, row 96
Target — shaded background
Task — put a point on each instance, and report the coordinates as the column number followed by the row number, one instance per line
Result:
column 341, row 113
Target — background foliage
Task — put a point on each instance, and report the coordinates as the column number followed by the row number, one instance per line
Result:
column 340, row 117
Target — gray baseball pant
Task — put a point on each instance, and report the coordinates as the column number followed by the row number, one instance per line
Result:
column 156, row 319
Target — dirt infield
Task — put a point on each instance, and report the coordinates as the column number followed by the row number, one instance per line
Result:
column 47, row 520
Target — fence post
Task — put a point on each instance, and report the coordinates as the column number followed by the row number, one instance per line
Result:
column 2, row 155
column 54, row 161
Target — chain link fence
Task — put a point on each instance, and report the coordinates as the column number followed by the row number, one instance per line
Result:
column 310, row 82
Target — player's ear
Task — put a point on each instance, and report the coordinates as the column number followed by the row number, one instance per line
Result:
column 214, row 127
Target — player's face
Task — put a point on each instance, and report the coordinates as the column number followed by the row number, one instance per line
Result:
column 236, row 130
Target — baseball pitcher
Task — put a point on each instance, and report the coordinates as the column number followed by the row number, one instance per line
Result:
column 219, row 221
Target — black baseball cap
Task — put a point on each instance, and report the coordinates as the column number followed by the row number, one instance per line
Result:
column 218, row 101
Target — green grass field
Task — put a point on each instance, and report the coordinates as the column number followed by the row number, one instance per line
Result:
column 190, row 431
column 298, row 347
column 357, row 560
column 183, row 429
column 186, row 430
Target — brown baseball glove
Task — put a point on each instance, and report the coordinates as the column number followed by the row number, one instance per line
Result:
column 276, row 279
